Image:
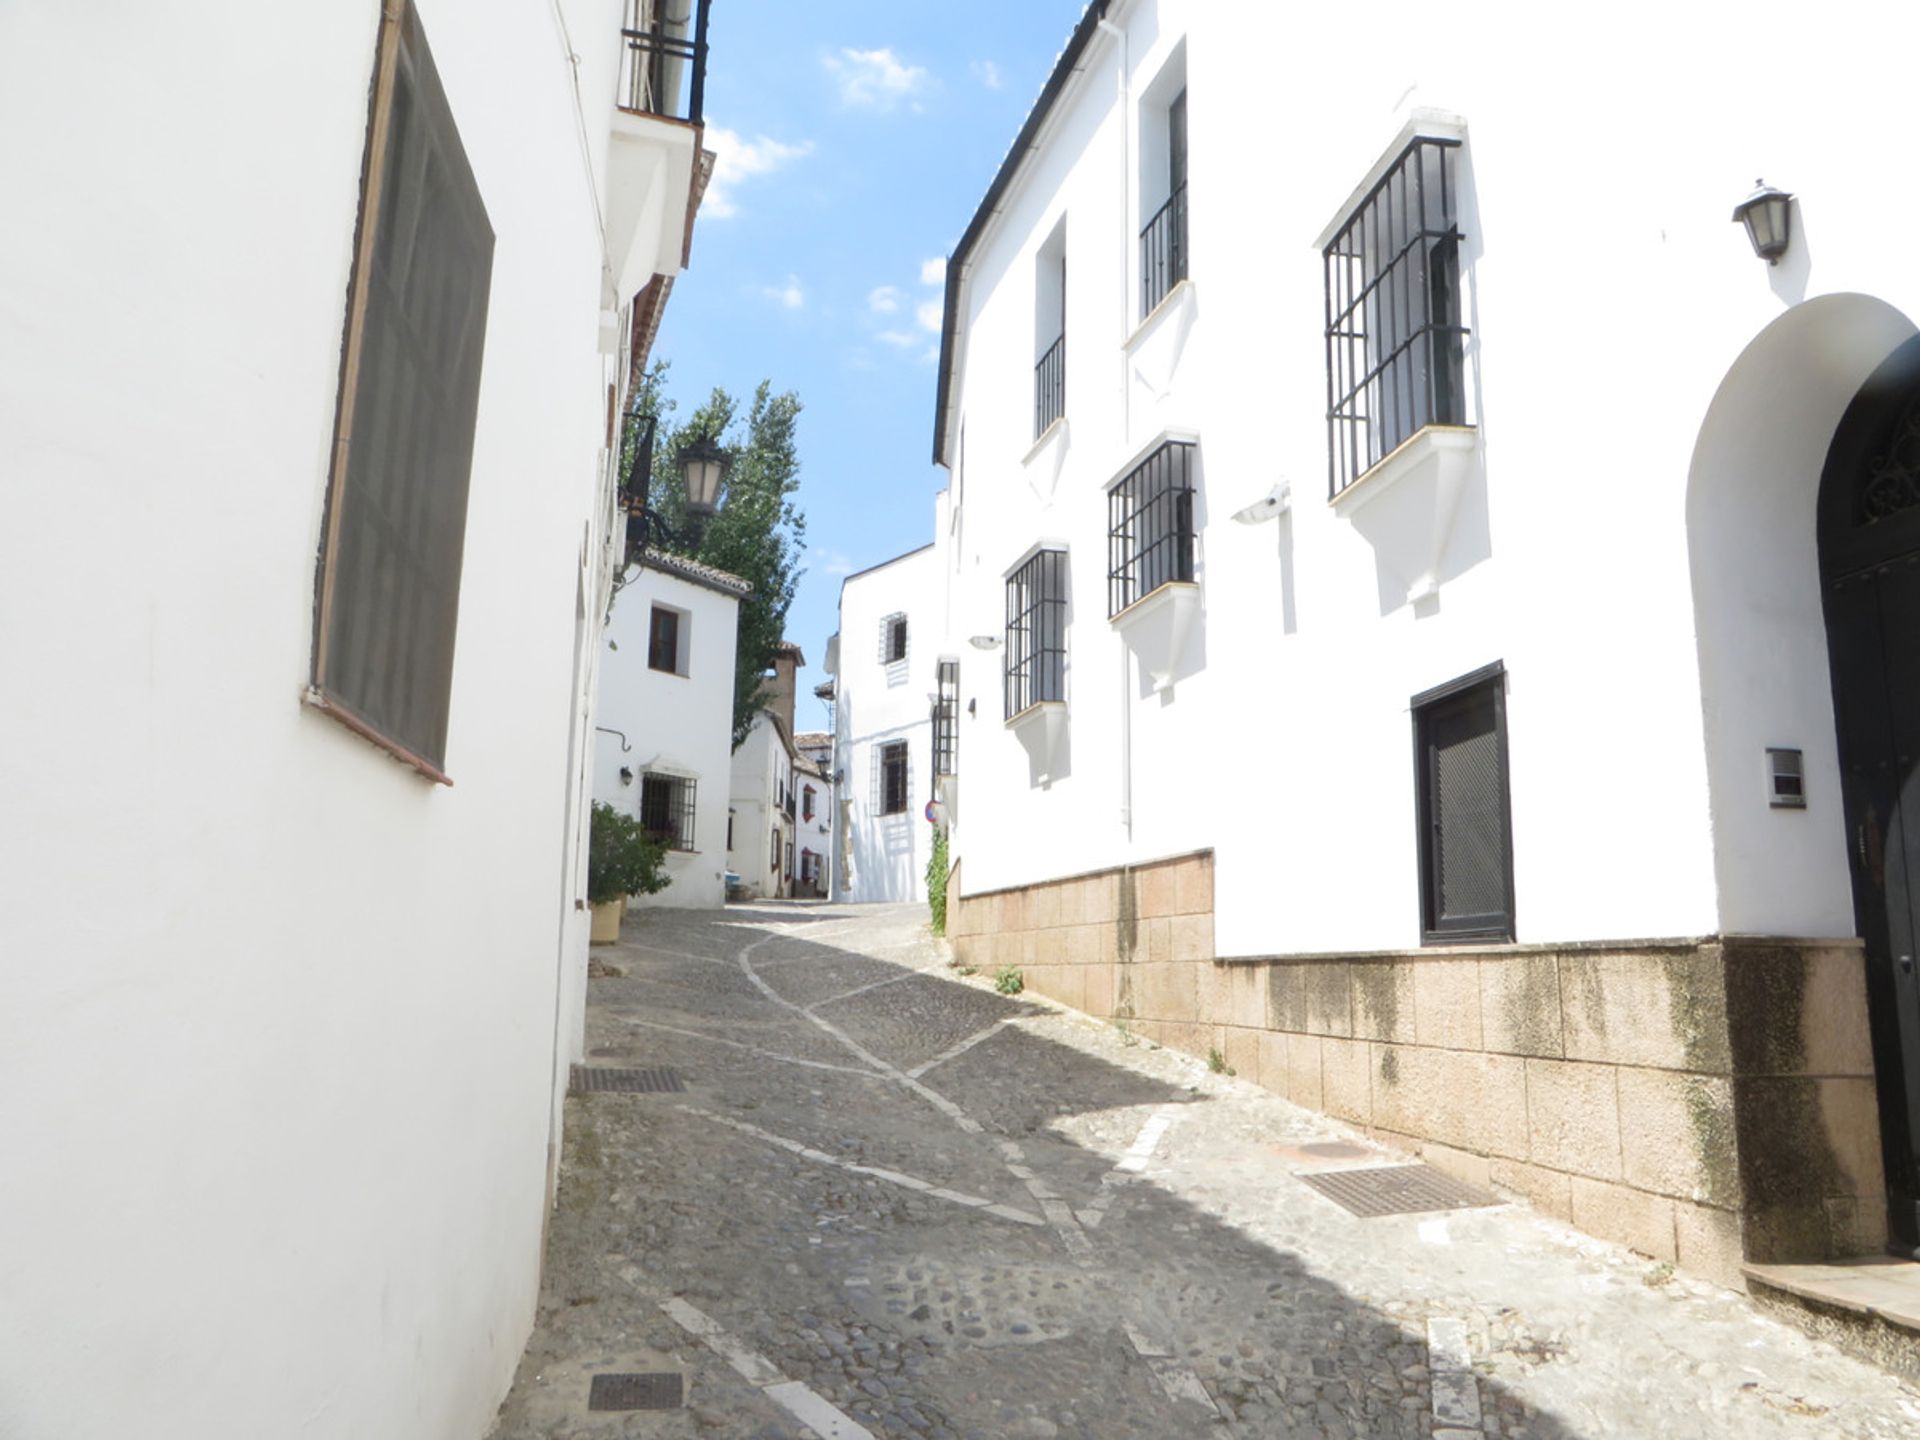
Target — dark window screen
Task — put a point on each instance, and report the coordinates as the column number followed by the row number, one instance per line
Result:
column 416, row 327
column 893, row 778
column 663, row 640
column 1466, row 832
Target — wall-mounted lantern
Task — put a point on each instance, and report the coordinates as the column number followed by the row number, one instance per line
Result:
column 626, row 775
column 704, row 465
column 703, row 469
column 1767, row 213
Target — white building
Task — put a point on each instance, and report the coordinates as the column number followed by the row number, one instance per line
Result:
column 814, row 843
column 887, row 667
column 762, row 849
column 291, row 871
column 664, row 748
column 1560, row 503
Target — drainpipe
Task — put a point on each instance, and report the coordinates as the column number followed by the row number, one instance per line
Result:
column 1124, row 100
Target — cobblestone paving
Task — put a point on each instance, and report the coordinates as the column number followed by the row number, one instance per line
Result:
column 894, row 1203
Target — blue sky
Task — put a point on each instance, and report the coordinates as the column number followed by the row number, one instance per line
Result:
column 855, row 139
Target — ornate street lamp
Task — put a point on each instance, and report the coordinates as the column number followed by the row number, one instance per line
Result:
column 703, row 469
column 1767, row 213
column 704, row 466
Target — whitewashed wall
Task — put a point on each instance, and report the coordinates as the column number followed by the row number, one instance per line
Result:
column 1609, row 295
column 877, row 703
column 279, row 1019
column 678, row 724
column 760, row 767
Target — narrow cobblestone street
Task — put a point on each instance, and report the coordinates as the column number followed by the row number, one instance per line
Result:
column 890, row 1201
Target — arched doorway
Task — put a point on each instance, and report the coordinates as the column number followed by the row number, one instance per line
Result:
column 1869, row 548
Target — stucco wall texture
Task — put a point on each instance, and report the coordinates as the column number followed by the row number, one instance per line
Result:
column 1703, row 1101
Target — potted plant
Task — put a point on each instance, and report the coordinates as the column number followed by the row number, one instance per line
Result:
column 622, row 860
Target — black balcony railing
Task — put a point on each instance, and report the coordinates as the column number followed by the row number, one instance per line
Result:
column 1050, row 386
column 1150, row 526
column 663, row 69
column 1163, row 251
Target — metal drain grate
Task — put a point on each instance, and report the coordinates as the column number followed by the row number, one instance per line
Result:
column 1396, row 1190
column 653, row 1390
column 614, row 1080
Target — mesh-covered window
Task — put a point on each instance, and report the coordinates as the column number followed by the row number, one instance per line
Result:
column 893, row 639
column 1036, row 645
column 1394, row 332
column 666, row 809
column 663, row 640
column 1150, row 526
column 1466, row 833
column 389, row 583
column 946, row 721
column 892, row 778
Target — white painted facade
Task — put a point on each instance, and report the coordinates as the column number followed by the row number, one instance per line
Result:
column 1634, row 533
column 762, row 779
column 284, row 1025
column 879, row 702
column 675, row 722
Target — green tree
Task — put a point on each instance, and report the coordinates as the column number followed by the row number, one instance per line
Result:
column 759, row 533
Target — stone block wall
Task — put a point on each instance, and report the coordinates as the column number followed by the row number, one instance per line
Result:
column 1702, row 1101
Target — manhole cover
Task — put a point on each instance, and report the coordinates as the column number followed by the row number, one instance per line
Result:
column 612, row 1079
column 655, row 1390
column 1396, row 1190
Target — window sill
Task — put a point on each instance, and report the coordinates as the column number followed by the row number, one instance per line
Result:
column 1056, row 431
column 662, row 670
column 1181, row 296
column 1040, row 728
column 1157, row 626
column 1406, row 503
column 317, row 699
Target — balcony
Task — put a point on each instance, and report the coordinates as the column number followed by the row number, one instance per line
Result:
column 654, row 166
column 1050, row 386
column 663, row 66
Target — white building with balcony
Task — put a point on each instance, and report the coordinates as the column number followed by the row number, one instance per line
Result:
column 1443, row 595
column 663, row 747
column 312, row 329
column 888, row 665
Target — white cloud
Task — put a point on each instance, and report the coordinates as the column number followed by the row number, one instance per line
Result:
column 883, row 300
column 988, row 74
column 832, row 562
column 899, row 339
column 876, row 78
column 928, row 313
column 789, row 294
column 934, row 271
column 737, row 158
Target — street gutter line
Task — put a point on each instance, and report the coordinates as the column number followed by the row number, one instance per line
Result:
column 755, row 1049
column 806, row 1405
column 892, row 1177
column 862, row 989
column 954, row 1051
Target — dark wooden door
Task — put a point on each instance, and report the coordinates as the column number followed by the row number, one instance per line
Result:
column 1870, row 562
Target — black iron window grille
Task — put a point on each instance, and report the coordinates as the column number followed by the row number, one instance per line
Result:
column 1395, row 340
column 946, row 720
column 1050, row 386
column 666, row 809
column 1036, row 643
column 663, row 68
column 893, row 639
column 1466, row 829
column 891, row 778
column 1163, row 240
column 1150, row 526
column 806, row 802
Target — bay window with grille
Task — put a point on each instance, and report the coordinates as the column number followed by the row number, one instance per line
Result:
column 1150, row 526
column 1394, row 332
column 1464, row 809
column 666, row 809
column 1036, row 636
column 892, row 779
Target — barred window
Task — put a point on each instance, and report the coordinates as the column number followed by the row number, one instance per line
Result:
column 1466, row 829
column 1394, row 335
column 946, row 720
column 1150, row 526
column 1036, row 644
column 1050, row 331
column 891, row 778
column 1163, row 239
column 893, row 638
column 806, row 802
column 666, row 809
column 396, row 513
